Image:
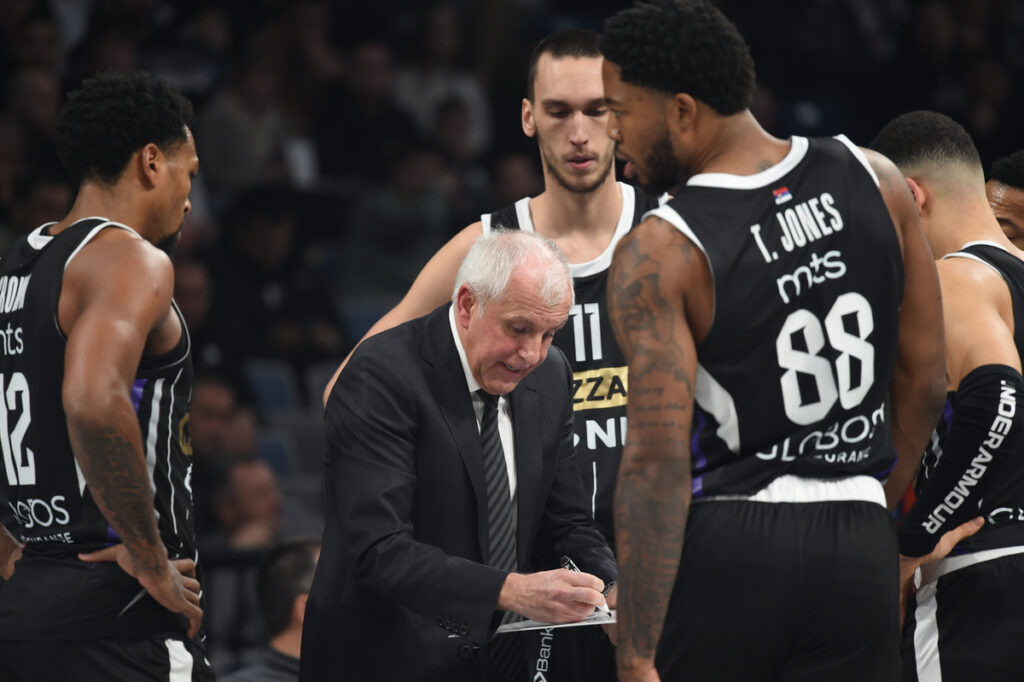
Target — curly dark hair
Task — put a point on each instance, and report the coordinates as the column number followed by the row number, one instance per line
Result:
column 925, row 137
column 111, row 117
column 1009, row 170
column 571, row 42
column 682, row 46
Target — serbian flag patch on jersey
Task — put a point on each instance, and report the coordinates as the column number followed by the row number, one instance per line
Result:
column 781, row 195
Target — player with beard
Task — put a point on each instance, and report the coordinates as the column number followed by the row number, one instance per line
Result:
column 96, row 372
column 783, row 330
column 586, row 212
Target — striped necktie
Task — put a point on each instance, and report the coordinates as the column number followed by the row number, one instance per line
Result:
column 506, row 650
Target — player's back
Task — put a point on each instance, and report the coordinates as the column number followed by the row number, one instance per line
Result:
column 793, row 376
column 51, row 507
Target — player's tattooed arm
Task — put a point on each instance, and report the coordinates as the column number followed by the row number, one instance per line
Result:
column 646, row 307
column 118, row 482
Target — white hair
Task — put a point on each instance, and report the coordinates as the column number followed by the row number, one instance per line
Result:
column 488, row 267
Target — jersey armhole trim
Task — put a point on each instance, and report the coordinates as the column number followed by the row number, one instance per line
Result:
column 971, row 256
column 485, row 222
column 859, row 155
column 670, row 215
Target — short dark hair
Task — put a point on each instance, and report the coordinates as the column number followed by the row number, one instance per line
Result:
column 111, row 117
column 571, row 42
column 1009, row 170
column 925, row 137
column 682, row 46
column 285, row 573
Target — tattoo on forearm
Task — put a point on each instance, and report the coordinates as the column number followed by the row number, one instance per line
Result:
column 652, row 495
column 119, row 483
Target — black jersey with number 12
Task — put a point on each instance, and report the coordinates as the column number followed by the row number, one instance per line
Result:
column 54, row 595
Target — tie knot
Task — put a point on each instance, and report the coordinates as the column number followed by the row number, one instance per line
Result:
column 490, row 400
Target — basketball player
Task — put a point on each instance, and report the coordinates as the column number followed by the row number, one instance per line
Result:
column 96, row 376
column 1005, row 191
column 586, row 212
column 781, row 321
column 968, row 607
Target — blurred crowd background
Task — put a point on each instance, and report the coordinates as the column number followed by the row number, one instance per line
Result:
column 342, row 143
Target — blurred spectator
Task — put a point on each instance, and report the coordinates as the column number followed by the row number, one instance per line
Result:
column 282, row 586
column 10, row 163
column 250, row 510
column 435, row 73
column 242, row 131
column 35, row 97
column 516, row 175
column 271, row 299
column 106, row 47
column 43, row 192
column 36, row 42
column 193, row 292
column 221, row 427
column 359, row 127
column 394, row 230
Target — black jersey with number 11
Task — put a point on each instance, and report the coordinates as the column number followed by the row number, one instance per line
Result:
column 793, row 377
column 600, row 378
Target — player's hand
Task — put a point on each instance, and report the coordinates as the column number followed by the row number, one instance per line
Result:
column 176, row 587
column 10, row 552
column 557, row 596
column 908, row 565
column 637, row 670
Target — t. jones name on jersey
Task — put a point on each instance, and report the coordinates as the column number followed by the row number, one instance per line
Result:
column 843, row 442
column 800, row 225
column 12, row 298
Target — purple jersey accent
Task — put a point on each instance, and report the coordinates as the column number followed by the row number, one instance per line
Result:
column 947, row 412
column 698, row 486
column 137, row 388
column 112, row 535
column 700, row 461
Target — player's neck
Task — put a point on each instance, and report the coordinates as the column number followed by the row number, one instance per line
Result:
column 100, row 201
column 968, row 221
column 582, row 224
column 738, row 145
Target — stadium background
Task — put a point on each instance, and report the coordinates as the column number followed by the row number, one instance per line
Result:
column 341, row 143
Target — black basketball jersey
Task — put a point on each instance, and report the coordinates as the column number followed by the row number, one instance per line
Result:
column 793, row 377
column 53, row 511
column 1003, row 505
column 600, row 378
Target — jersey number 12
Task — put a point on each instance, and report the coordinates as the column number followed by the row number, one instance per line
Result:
column 19, row 462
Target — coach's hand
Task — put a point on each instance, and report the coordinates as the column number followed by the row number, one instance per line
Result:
column 908, row 565
column 557, row 596
column 174, row 586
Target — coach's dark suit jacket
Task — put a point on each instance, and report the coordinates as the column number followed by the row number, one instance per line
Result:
column 402, row 565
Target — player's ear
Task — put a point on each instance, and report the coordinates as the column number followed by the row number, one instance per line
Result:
column 529, row 125
column 149, row 160
column 681, row 111
column 920, row 194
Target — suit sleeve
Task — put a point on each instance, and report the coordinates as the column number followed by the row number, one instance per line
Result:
column 371, row 424
column 566, row 526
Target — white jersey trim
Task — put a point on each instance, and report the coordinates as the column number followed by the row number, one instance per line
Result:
column 154, row 421
column 926, row 635
column 859, row 154
column 591, row 267
column 933, row 571
column 798, row 489
column 93, row 232
column 797, row 151
column 971, row 256
column 716, row 401
column 180, row 661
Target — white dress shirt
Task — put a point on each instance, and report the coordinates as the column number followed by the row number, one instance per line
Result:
column 504, row 417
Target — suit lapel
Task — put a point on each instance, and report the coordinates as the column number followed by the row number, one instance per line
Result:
column 448, row 385
column 529, row 464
